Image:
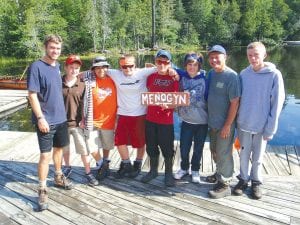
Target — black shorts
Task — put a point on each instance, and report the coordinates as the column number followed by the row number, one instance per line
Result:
column 57, row 137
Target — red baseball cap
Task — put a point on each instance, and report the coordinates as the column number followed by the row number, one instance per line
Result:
column 73, row 59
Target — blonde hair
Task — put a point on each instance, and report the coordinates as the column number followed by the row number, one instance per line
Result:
column 257, row 44
column 127, row 58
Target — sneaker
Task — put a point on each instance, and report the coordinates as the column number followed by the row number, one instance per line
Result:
column 221, row 190
column 67, row 170
column 180, row 174
column 211, row 178
column 92, row 181
column 195, row 177
column 98, row 165
column 240, row 187
column 43, row 199
column 124, row 170
column 137, row 166
column 256, row 190
column 62, row 182
column 103, row 171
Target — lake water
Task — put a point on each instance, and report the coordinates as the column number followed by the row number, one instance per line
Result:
column 286, row 58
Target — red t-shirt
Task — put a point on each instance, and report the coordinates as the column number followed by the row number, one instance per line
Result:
column 161, row 83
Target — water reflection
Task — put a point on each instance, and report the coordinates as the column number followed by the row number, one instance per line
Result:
column 286, row 58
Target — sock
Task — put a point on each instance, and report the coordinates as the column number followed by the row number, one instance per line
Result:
column 105, row 159
column 58, row 172
column 100, row 162
column 42, row 183
column 139, row 160
column 126, row 161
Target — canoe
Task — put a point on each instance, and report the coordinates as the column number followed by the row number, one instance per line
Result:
column 292, row 42
column 13, row 83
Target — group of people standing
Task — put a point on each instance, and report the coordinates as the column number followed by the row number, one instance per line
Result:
column 101, row 108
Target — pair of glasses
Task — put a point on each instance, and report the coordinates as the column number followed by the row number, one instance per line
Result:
column 162, row 62
column 127, row 66
column 193, row 57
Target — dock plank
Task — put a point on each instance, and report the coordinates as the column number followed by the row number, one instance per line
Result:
column 128, row 201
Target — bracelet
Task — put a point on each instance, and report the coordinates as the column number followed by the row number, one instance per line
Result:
column 40, row 117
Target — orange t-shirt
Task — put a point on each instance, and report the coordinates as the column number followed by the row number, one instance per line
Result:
column 104, row 103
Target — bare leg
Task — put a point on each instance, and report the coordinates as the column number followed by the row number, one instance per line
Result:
column 123, row 151
column 57, row 158
column 86, row 163
column 43, row 166
column 96, row 155
column 140, row 153
column 106, row 153
column 66, row 157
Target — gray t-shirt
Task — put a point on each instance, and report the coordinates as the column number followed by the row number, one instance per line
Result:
column 223, row 87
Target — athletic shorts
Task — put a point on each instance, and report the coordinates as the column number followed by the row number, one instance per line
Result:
column 130, row 131
column 57, row 137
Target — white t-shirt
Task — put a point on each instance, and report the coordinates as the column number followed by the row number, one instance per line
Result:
column 129, row 89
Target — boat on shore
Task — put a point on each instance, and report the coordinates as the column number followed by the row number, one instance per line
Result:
column 292, row 42
column 13, row 83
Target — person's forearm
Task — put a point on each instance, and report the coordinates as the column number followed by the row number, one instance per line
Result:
column 35, row 104
column 232, row 111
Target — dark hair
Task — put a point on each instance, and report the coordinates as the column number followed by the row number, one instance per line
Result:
column 52, row 38
column 193, row 57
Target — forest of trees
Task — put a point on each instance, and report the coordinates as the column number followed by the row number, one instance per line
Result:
column 96, row 25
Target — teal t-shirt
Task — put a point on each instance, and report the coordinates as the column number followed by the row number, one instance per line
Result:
column 223, row 87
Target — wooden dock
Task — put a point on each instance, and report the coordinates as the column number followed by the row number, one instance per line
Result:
column 12, row 101
column 128, row 201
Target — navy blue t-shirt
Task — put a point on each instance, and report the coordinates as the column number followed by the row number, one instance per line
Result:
column 46, row 81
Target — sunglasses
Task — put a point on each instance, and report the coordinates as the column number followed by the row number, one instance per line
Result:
column 162, row 62
column 127, row 66
column 193, row 57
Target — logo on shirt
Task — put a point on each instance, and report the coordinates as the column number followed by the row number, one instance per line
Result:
column 104, row 92
column 131, row 83
column 220, row 85
column 160, row 82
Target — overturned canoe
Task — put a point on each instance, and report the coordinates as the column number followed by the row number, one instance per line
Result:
column 20, row 84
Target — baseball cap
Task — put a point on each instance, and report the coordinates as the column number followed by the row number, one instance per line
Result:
column 164, row 53
column 217, row 48
column 99, row 61
column 73, row 59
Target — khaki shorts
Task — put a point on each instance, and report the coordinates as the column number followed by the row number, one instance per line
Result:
column 87, row 142
column 79, row 141
column 105, row 139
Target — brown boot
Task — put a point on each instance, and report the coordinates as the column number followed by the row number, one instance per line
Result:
column 43, row 199
column 62, row 182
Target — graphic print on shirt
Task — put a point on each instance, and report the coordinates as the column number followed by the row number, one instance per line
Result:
column 130, row 83
column 104, row 92
column 196, row 94
column 162, row 82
